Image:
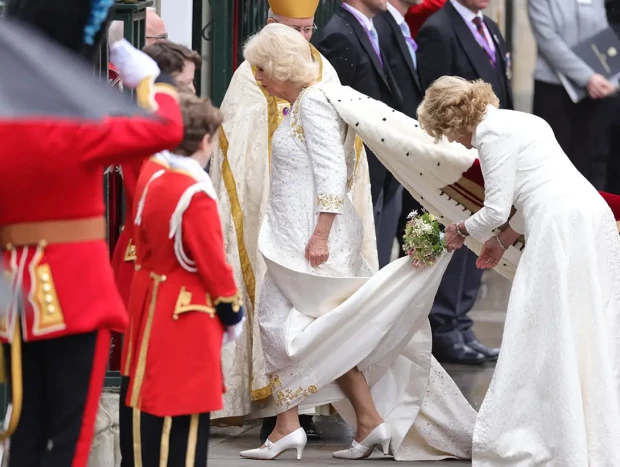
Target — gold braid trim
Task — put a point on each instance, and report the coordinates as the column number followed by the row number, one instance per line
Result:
column 235, row 301
column 17, row 386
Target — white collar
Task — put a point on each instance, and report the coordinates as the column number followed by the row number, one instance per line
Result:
column 187, row 164
column 488, row 113
column 398, row 17
column 365, row 20
column 163, row 156
column 465, row 12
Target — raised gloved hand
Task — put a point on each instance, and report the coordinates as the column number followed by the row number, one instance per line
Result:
column 232, row 333
column 133, row 65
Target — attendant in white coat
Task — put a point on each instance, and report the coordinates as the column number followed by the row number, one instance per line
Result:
column 554, row 397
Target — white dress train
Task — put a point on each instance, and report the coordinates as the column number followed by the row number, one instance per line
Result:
column 318, row 323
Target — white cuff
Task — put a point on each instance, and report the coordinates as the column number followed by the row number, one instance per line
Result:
column 232, row 333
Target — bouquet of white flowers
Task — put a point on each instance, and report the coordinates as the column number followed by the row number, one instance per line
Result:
column 423, row 239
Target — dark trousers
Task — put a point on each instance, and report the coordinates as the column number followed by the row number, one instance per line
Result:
column 409, row 204
column 62, row 383
column 582, row 129
column 613, row 161
column 172, row 441
column 387, row 215
column 125, row 426
column 186, row 436
column 455, row 298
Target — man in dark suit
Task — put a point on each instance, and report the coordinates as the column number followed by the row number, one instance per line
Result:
column 459, row 40
column 400, row 49
column 351, row 42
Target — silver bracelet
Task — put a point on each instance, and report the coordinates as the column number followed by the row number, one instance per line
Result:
column 458, row 231
column 499, row 242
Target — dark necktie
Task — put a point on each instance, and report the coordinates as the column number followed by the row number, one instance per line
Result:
column 480, row 28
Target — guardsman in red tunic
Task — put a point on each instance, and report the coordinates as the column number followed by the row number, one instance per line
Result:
column 184, row 302
column 52, row 233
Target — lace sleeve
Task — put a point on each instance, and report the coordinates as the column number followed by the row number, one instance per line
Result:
column 322, row 132
column 499, row 166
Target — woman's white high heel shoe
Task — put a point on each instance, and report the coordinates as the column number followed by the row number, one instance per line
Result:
column 295, row 440
column 379, row 437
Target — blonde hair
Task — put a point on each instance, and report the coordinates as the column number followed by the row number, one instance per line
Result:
column 453, row 106
column 283, row 54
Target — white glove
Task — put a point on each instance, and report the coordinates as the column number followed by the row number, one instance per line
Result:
column 232, row 333
column 132, row 64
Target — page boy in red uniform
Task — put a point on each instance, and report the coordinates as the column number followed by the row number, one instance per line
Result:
column 173, row 60
column 184, row 302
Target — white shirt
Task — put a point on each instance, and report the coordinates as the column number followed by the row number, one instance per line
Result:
column 365, row 20
column 398, row 17
column 469, row 16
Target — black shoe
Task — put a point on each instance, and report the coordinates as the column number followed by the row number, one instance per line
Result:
column 307, row 423
column 459, row 353
column 490, row 352
column 269, row 424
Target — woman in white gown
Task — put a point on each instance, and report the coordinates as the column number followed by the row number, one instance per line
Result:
column 330, row 332
column 554, row 397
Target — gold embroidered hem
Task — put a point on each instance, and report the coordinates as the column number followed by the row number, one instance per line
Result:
column 289, row 397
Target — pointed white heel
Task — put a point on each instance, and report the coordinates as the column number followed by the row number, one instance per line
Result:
column 379, row 437
column 295, row 440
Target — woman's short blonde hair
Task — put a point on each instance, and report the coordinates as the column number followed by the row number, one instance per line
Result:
column 454, row 106
column 283, row 54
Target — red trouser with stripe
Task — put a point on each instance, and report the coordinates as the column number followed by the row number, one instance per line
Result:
column 62, row 380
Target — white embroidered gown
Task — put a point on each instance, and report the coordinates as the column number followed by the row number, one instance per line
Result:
column 555, row 395
column 318, row 323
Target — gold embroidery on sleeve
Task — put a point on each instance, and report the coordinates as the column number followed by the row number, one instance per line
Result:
column 330, row 203
column 235, row 301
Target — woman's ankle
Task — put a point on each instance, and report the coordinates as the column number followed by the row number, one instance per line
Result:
column 282, row 430
column 366, row 425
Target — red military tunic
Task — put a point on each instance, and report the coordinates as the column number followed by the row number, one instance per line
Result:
column 175, row 368
column 69, row 288
column 125, row 251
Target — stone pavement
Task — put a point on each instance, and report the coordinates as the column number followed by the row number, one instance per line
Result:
column 473, row 381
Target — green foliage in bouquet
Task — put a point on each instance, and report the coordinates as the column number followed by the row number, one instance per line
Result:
column 423, row 239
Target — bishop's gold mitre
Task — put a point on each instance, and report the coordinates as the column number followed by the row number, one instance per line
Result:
column 294, row 8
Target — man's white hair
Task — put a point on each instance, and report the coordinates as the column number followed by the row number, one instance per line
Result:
column 116, row 32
